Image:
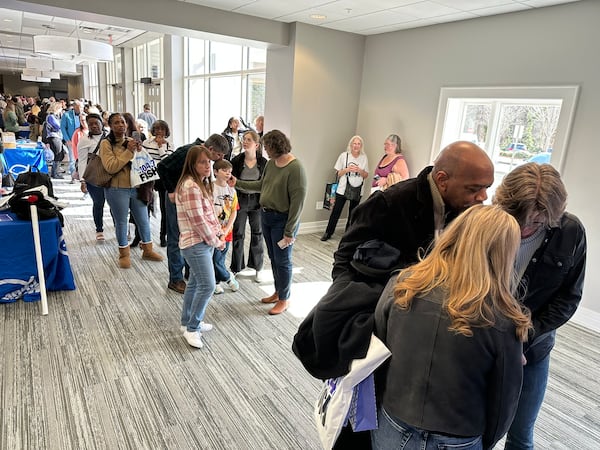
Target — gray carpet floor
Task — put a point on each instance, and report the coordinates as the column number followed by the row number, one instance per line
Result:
column 109, row 369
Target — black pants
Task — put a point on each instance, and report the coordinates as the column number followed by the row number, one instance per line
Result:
column 249, row 210
column 336, row 212
column 162, row 196
column 56, row 147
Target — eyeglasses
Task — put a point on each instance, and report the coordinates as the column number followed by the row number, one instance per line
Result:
column 533, row 225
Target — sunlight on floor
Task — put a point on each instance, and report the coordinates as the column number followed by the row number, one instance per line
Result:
column 304, row 296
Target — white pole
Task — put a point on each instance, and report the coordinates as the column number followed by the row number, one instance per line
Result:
column 35, row 224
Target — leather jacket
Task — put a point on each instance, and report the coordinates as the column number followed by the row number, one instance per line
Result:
column 552, row 284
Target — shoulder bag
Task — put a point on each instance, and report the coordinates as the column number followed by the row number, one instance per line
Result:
column 351, row 193
column 95, row 173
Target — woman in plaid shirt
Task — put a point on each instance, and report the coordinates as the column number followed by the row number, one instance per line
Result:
column 200, row 234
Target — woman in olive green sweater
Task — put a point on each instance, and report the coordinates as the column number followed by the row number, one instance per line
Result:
column 282, row 191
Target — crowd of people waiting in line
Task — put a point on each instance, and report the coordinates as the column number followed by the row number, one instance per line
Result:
column 467, row 297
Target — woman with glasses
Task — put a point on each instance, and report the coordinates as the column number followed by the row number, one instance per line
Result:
column 550, row 264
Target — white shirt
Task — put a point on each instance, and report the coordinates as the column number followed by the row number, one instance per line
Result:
column 355, row 178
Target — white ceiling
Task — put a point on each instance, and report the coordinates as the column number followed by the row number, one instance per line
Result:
column 374, row 16
column 366, row 17
column 17, row 29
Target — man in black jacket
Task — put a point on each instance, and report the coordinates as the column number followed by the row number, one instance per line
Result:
column 551, row 266
column 170, row 170
column 407, row 217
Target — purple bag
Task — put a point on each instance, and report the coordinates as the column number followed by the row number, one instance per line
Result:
column 363, row 406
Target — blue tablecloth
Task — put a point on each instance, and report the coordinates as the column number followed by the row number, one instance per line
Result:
column 17, row 160
column 18, row 270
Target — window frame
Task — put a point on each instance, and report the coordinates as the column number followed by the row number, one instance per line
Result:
column 567, row 94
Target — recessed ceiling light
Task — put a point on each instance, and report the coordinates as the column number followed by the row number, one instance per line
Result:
column 318, row 16
column 8, row 20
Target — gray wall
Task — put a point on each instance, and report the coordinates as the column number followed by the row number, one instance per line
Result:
column 324, row 104
column 404, row 71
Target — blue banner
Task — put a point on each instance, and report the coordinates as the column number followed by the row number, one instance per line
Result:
column 18, row 270
column 19, row 159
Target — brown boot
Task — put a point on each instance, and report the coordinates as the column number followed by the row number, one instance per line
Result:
column 149, row 254
column 124, row 261
column 279, row 307
column 271, row 298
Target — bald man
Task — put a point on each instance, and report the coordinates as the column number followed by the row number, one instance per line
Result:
column 406, row 217
column 398, row 224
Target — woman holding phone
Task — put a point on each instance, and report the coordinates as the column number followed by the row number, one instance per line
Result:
column 116, row 152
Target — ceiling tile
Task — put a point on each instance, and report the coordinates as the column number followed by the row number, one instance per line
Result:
column 542, row 3
column 468, row 5
column 500, row 9
column 425, row 10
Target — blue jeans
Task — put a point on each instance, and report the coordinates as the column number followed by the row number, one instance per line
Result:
column 71, row 158
column 200, row 286
column 174, row 258
column 393, row 433
column 273, row 226
column 221, row 272
column 98, row 200
column 121, row 201
column 535, row 378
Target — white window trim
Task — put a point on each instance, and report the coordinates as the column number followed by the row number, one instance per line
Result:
column 568, row 94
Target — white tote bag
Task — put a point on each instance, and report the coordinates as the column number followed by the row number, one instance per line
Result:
column 143, row 169
column 333, row 404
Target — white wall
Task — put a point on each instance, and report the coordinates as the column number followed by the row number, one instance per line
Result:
column 404, row 71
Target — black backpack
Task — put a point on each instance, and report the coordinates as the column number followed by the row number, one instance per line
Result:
column 31, row 179
column 20, row 205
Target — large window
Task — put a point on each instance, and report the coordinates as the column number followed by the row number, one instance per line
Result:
column 221, row 80
column 148, row 63
column 514, row 125
column 93, row 92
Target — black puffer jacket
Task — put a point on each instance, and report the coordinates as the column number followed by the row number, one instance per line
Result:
column 339, row 327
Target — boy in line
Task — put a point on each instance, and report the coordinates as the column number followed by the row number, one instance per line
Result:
column 226, row 206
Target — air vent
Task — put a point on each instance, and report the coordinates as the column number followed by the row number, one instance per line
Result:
column 119, row 30
column 89, row 30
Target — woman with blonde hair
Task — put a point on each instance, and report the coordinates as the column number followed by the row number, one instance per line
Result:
column 352, row 167
column 199, row 234
column 455, row 331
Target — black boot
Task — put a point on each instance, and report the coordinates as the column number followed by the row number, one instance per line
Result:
column 325, row 237
column 136, row 240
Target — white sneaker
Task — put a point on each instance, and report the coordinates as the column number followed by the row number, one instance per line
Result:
column 193, row 338
column 219, row 289
column 260, row 276
column 203, row 327
column 233, row 284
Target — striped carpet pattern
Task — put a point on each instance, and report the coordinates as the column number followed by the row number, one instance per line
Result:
column 109, row 369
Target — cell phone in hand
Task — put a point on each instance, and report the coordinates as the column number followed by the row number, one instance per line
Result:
column 137, row 136
column 283, row 244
